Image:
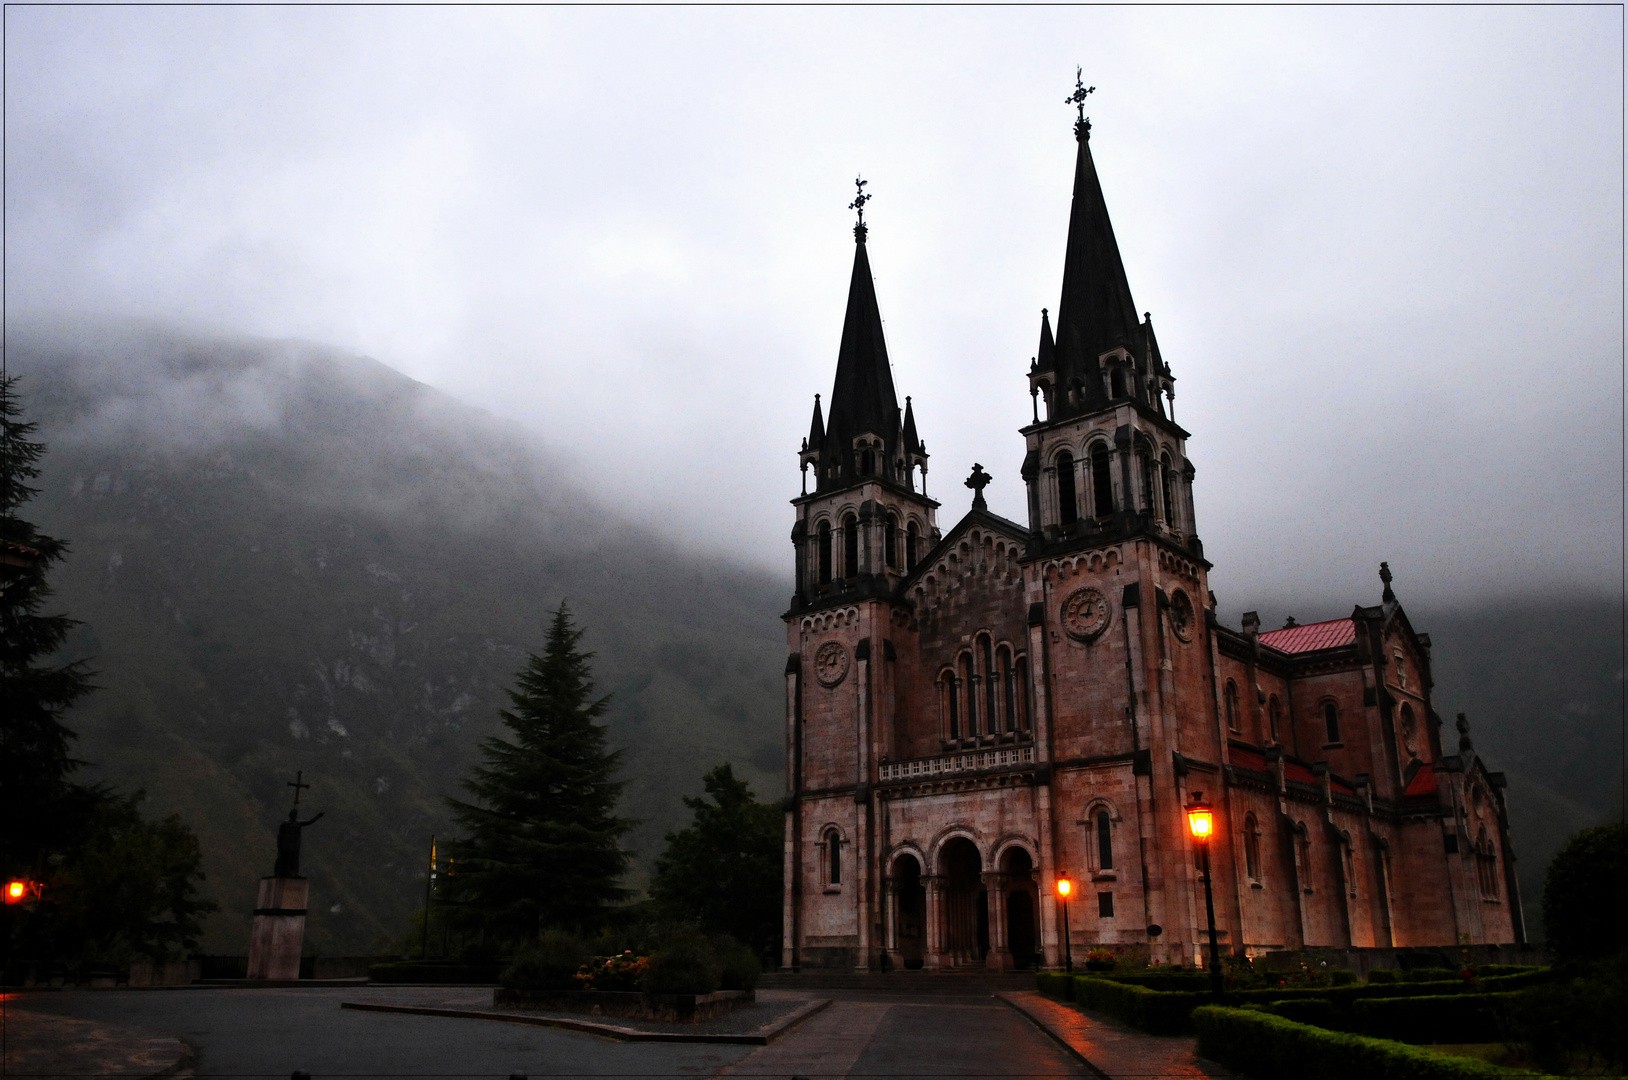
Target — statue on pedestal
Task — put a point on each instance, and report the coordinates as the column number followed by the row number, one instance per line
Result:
column 279, row 912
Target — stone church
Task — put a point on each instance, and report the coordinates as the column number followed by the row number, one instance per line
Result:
column 973, row 712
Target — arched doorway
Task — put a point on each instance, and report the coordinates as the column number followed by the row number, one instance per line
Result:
column 965, row 906
column 909, row 912
column 1022, row 939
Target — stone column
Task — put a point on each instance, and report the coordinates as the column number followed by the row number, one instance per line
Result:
column 890, row 923
column 1000, row 950
column 933, row 887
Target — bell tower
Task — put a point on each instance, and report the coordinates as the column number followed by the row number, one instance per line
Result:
column 864, row 520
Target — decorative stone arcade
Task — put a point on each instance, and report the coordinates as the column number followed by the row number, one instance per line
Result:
column 963, row 916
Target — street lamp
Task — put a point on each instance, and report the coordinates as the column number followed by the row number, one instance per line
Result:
column 1064, row 887
column 1201, row 823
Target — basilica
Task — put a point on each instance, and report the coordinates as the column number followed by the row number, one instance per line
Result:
column 976, row 712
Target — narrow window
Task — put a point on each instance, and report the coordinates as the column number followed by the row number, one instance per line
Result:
column 1023, row 692
column 910, row 537
column 833, row 852
column 1105, row 841
column 1105, row 905
column 825, row 553
column 1116, row 381
column 1231, row 696
column 1331, row 721
column 1144, row 464
column 987, row 659
column 969, row 685
column 850, row 546
column 1102, row 483
column 1068, row 510
column 1169, row 502
column 890, row 543
column 1252, row 847
column 1401, row 670
column 951, row 705
column 1273, row 716
column 1008, row 698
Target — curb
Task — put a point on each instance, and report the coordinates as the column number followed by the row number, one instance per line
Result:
column 1055, row 1036
column 761, row 1037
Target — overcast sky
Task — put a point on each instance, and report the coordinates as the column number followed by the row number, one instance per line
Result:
column 1383, row 246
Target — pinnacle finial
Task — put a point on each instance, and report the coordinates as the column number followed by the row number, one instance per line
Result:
column 1389, row 597
column 977, row 482
column 860, row 199
column 1082, row 126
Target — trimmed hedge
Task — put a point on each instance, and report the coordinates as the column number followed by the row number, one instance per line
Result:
column 1162, row 1012
column 419, row 971
column 1443, row 1018
column 1054, row 983
column 1269, row 1047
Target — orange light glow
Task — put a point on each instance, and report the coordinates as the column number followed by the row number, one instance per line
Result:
column 1200, row 817
column 16, row 891
column 1064, row 887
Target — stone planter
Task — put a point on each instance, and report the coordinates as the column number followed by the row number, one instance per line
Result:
column 672, row 1008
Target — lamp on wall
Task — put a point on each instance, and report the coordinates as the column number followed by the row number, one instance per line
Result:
column 1201, row 823
column 1064, row 887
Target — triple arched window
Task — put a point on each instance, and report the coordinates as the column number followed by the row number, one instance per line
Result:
column 985, row 692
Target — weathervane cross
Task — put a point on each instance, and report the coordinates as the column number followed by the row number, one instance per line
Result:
column 1082, row 126
column 296, row 785
column 860, row 199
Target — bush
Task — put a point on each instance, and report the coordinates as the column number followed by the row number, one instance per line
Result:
column 1381, row 975
column 548, row 965
column 1269, row 1047
column 622, row 972
column 685, row 965
column 1577, row 1022
column 1055, row 984
column 1161, row 1012
column 1342, row 977
column 1582, row 894
column 1436, row 1018
column 1319, row 1012
column 1429, row 974
column 738, row 964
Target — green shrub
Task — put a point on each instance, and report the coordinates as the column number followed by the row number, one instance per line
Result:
column 738, row 964
column 1342, row 977
column 1487, row 971
column 548, row 965
column 1318, row 1012
column 1436, row 1018
column 1178, row 980
column 1269, row 1047
column 1381, row 975
column 1575, row 1024
column 1429, row 974
column 1161, row 1012
column 1054, row 983
column 684, row 965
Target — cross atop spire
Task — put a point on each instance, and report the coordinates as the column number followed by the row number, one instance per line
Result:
column 860, row 199
column 1082, row 126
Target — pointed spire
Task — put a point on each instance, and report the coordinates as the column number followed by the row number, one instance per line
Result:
column 912, row 442
column 816, row 430
column 862, row 399
column 1046, row 358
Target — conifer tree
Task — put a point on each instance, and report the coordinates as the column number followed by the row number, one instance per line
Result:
column 542, row 842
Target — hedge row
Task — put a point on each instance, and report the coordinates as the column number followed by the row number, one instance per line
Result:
column 1269, row 1047
column 1162, row 1012
column 1447, row 1018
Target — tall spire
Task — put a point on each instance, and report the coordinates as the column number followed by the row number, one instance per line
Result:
column 1045, row 359
column 816, row 429
column 1096, row 313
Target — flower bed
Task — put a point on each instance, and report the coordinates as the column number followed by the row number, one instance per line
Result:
column 629, row 1004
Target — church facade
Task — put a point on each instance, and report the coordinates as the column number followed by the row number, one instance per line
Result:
column 974, row 712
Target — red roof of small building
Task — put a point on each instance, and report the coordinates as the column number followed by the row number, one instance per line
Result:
column 1312, row 636
column 1423, row 783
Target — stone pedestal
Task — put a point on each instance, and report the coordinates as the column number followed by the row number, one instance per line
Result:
column 279, row 928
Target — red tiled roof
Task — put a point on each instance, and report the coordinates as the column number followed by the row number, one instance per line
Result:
column 1312, row 636
column 1424, row 783
column 1248, row 759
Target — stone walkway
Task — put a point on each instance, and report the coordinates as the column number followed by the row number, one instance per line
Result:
column 38, row 1044
column 1110, row 1049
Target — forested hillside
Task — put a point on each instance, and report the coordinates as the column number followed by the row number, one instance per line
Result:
column 289, row 558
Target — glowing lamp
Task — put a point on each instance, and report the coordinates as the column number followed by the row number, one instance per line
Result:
column 1064, row 886
column 16, row 892
column 1200, row 818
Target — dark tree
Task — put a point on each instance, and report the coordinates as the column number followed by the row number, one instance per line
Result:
column 42, row 811
column 542, row 842
column 1583, row 894
column 723, row 872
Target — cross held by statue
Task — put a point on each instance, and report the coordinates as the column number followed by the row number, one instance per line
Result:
column 297, row 785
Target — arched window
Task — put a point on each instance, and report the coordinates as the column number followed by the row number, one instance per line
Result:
column 1348, row 860
column 986, row 661
column 1008, row 690
column 969, row 686
column 1144, row 465
column 1231, row 698
column 1023, row 693
column 1410, row 731
column 1331, row 721
column 911, row 536
column 850, row 546
column 1116, row 381
column 951, row 706
column 1252, row 847
column 1305, row 856
column 1102, row 483
column 867, row 462
column 1105, row 841
column 833, row 857
column 890, row 542
column 1170, row 514
column 825, row 553
column 1068, row 510
column 1274, row 716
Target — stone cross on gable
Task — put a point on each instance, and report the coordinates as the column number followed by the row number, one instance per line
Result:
column 977, row 482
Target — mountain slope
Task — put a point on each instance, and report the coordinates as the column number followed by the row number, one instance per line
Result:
column 286, row 558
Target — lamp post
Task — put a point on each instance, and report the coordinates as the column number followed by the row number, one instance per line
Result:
column 1064, row 887
column 1201, row 822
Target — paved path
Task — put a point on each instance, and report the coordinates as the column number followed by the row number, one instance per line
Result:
column 39, row 1044
column 872, row 1035
column 1112, row 1049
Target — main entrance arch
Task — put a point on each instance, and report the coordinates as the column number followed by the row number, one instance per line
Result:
column 963, row 905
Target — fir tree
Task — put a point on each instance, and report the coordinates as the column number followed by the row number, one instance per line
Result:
column 723, row 873
column 542, row 839
column 42, row 811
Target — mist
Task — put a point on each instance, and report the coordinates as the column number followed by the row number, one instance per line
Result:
column 1383, row 246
